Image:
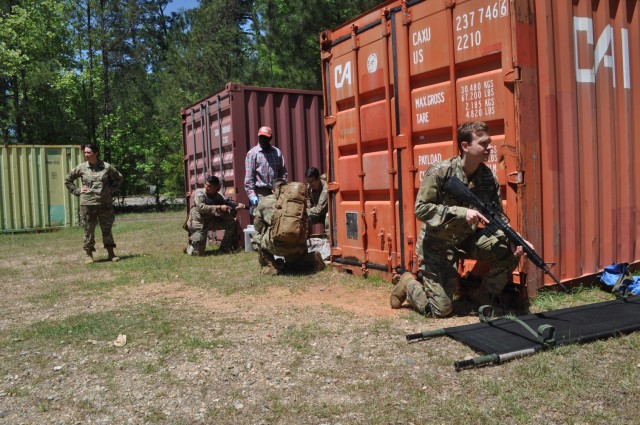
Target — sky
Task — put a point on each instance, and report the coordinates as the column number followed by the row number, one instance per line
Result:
column 176, row 5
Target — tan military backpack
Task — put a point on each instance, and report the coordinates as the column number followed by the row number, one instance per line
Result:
column 289, row 223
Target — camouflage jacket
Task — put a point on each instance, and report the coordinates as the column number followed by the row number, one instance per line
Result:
column 205, row 207
column 317, row 200
column 443, row 216
column 102, row 179
column 262, row 216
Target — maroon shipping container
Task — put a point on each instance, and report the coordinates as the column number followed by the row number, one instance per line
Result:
column 556, row 82
column 218, row 131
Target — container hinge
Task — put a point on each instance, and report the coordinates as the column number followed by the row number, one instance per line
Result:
column 330, row 120
column 406, row 14
column 449, row 4
column 355, row 45
column 513, row 76
column 333, row 186
column 516, row 177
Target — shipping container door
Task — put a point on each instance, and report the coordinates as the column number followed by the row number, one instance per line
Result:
column 452, row 64
column 362, row 151
column 461, row 68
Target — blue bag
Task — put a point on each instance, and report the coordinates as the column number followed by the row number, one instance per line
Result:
column 634, row 286
column 613, row 273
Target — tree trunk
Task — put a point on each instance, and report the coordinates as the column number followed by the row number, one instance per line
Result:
column 93, row 125
column 106, row 94
column 17, row 108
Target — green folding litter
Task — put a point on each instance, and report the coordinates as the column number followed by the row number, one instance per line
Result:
column 505, row 338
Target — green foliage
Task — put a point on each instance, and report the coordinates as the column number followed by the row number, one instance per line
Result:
column 173, row 169
column 118, row 73
column 39, row 83
column 286, row 37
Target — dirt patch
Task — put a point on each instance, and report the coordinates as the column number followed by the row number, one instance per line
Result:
column 360, row 302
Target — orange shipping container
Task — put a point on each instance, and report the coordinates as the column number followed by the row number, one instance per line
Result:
column 555, row 80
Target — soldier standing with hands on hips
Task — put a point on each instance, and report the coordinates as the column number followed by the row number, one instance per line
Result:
column 99, row 180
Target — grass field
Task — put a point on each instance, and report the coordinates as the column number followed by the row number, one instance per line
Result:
column 210, row 340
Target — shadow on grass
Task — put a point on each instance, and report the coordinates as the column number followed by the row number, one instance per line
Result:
column 121, row 258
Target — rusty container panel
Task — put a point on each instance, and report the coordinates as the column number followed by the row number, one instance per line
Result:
column 33, row 196
column 554, row 81
column 219, row 130
column 589, row 133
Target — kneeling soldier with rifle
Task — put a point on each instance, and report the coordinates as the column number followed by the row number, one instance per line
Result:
column 211, row 211
column 450, row 229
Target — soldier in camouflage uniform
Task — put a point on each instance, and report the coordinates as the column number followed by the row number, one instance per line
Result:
column 296, row 258
column 99, row 180
column 211, row 212
column 450, row 231
column 317, row 194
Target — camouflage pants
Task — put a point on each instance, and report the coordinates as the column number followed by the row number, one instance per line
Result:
column 261, row 192
column 200, row 230
column 290, row 253
column 91, row 215
column 321, row 220
column 440, row 270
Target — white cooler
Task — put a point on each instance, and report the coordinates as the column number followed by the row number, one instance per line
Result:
column 249, row 232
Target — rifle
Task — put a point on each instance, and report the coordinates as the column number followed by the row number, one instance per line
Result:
column 233, row 205
column 497, row 221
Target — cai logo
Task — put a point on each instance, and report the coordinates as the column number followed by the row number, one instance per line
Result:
column 342, row 75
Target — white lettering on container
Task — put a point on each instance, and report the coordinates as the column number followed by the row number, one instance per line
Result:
column 468, row 37
column 341, row 75
column 418, row 56
column 225, row 129
column 422, row 118
column 426, row 161
column 418, row 38
column 478, row 99
column 429, row 159
column 422, row 36
column 493, row 155
column 429, row 100
column 347, row 131
column 426, row 101
column 604, row 44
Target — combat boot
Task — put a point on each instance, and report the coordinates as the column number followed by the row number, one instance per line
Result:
column 399, row 293
column 262, row 260
column 269, row 270
column 319, row 264
column 112, row 256
column 88, row 259
column 481, row 296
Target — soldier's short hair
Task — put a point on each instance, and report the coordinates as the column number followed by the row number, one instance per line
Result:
column 312, row 172
column 213, row 180
column 468, row 129
column 94, row 148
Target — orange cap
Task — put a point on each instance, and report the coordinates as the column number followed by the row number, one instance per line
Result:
column 264, row 131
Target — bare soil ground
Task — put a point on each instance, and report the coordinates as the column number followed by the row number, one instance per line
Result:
column 211, row 341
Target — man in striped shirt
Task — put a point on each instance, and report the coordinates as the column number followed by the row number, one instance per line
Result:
column 263, row 165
